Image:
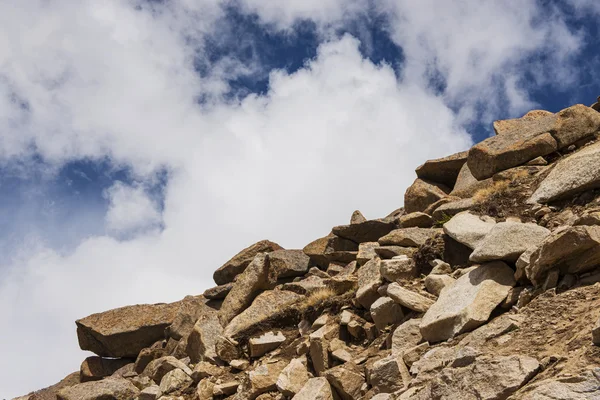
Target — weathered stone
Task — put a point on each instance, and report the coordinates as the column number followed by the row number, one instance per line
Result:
column 260, row 380
column 450, row 209
column 440, row 267
column 507, row 241
column 422, row 194
column 468, row 229
column 499, row 326
column 315, row 389
column 227, row 349
column 467, row 185
column 487, row 378
column 157, row 369
column 124, row 332
column 225, row 389
column 443, row 170
column 572, row 250
column 150, row 393
column 288, row 263
column 369, row 279
column 398, row 268
column 357, row 217
column 405, row 336
column 386, row 311
column 535, row 120
column 175, row 380
column 574, row 124
column 255, row 278
column 409, row 299
column 387, row 252
column 190, row 309
column 366, row 251
column 430, row 210
column 414, row 354
column 588, row 218
column 468, row 303
column 347, row 381
column 228, row 271
column 596, row 333
column 368, row 231
column 330, row 248
column 95, row 368
column 361, row 329
column 389, row 374
column 218, row 292
column 293, row 377
column 408, row 237
column 436, row 283
column 574, row 174
column 319, row 344
column 201, row 341
column 109, row 388
column 205, row 369
column 265, row 343
column 205, row 390
column 415, row 220
column 240, row 365
column 585, row 386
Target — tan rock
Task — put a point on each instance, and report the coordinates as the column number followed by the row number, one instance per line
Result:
column 387, row 252
column 415, row 220
column 422, row 194
column 366, row 251
column 443, row 170
column 406, row 336
column 315, row 389
column 369, row 279
column 175, row 380
column 190, row 309
column 331, row 248
column 467, row 185
column 150, row 393
column 265, row 343
column 468, row 229
column 293, row 377
column 205, row 390
column 386, row 311
column 585, row 386
column 95, row 368
column 157, row 369
column 225, row 388
column 109, row 388
column 389, row 374
column 368, row 231
column 347, row 380
column 357, row 217
column 205, row 369
column 408, row 237
column 450, row 209
column 260, row 380
column 124, row 332
column 537, row 120
column 468, row 303
column 409, row 299
column 414, row 354
column 201, row 341
column 228, row 271
column 288, row 263
column 436, row 283
column 319, row 345
column 398, row 268
column 574, row 124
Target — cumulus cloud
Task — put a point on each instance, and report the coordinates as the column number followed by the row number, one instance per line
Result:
column 118, row 79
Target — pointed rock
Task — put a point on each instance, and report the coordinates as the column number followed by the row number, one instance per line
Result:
column 421, row 194
column 228, row 271
column 443, row 170
column 293, row 377
column 368, row 231
column 357, row 218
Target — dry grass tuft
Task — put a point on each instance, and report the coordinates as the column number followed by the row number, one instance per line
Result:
column 318, row 297
column 484, row 194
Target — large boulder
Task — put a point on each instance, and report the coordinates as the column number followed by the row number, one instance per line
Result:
column 408, row 237
column 467, row 185
column 507, row 241
column 203, row 338
column 293, row 377
column 228, row 271
column 347, row 380
column 409, row 299
column 369, row 280
column 572, row 250
column 125, row 331
column 468, row 303
column 443, row 170
column 190, row 309
column 421, row 194
column 331, row 248
column 389, row 374
column 538, row 121
column 576, row 173
column 406, row 336
column 368, row 231
column 574, row 124
column 288, row 263
column 109, row 388
column 315, row 389
column 468, row 229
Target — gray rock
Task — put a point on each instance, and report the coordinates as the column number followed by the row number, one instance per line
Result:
column 468, row 229
column 389, row 374
column 386, row 311
column 406, row 336
column 468, row 303
column 398, row 268
column 203, row 338
column 369, row 279
column 467, row 185
column 408, row 298
column 175, row 380
column 408, row 237
column 436, row 283
column 366, row 251
column 357, row 217
column 368, row 231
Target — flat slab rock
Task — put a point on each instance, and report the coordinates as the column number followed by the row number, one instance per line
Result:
column 421, row 194
column 585, row 386
column 367, row 231
column 125, row 331
column 109, row 388
column 443, row 170
column 468, row 229
column 468, row 302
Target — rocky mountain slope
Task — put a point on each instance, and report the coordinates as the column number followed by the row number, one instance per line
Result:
column 484, row 286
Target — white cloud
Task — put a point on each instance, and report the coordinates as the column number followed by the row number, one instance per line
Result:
column 102, row 79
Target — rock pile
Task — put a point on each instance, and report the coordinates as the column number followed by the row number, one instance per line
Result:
column 486, row 285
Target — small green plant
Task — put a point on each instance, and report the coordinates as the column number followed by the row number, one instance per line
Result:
column 443, row 219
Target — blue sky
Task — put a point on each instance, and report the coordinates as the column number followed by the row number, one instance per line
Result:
column 143, row 143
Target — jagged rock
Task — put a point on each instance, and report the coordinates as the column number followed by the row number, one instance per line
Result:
column 366, row 251
column 150, row 393
column 361, row 329
column 347, row 380
column 266, row 306
column 157, row 369
column 95, row 368
column 125, row 331
column 468, row 229
column 293, row 377
column 415, row 220
column 147, row 355
column 368, row 231
column 468, row 303
column 228, row 271
column 288, row 263
column 225, row 389
column 467, row 185
column 487, row 378
column 357, row 217
column 414, row 354
column 265, row 343
column 506, row 241
column 576, row 173
column 190, row 309
column 205, row 369
column 385, row 311
column 315, row 389
column 218, row 292
column 443, row 170
column 585, row 386
column 408, row 298
column 572, row 250
column 228, row 349
column 398, row 268
column 596, row 333
column 255, row 278
column 319, row 344
column 331, row 248
column 369, row 279
column 389, row 374
column 175, row 380
column 436, row 283
column 408, row 237
column 405, row 336
column 262, row 379
column 387, row 252
column 588, row 218
column 109, row 388
column 421, row 194
column 203, row 338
